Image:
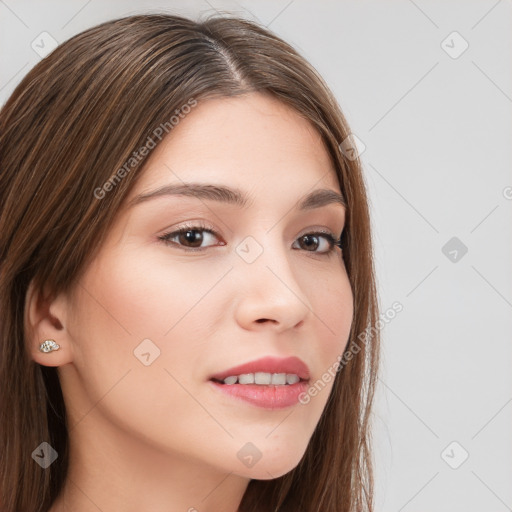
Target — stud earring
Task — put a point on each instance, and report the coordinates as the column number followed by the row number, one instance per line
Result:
column 48, row 346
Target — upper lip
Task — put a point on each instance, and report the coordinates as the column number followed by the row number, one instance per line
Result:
column 268, row 365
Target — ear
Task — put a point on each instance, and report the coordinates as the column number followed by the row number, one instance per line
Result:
column 45, row 319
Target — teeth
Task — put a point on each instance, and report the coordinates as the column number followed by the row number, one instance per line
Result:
column 278, row 378
column 291, row 378
column 262, row 378
column 246, row 378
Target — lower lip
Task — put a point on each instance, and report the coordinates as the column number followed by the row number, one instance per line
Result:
column 265, row 396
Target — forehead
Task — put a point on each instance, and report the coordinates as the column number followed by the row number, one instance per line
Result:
column 253, row 142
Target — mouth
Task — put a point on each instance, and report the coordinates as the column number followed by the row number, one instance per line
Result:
column 268, row 383
column 261, row 379
column 265, row 371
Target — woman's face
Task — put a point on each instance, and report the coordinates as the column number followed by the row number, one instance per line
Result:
column 151, row 322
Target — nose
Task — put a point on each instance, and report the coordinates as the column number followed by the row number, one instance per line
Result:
column 270, row 294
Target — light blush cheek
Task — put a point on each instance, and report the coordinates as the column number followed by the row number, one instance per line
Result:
column 121, row 303
column 146, row 294
column 333, row 306
column 149, row 293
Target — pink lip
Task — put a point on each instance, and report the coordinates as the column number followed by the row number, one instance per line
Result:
column 268, row 365
column 268, row 397
column 265, row 396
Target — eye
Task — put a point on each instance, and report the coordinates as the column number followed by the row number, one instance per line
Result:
column 315, row 239
column 189, row 239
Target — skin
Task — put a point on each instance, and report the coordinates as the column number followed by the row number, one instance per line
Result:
column 158, row 437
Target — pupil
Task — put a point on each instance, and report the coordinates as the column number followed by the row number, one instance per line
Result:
column 191, row 238
column 309, row 239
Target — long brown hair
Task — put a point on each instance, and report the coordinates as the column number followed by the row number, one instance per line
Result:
column 74, row 120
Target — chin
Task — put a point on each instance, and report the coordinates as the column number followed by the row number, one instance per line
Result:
column 274, row 467
column 269, row 471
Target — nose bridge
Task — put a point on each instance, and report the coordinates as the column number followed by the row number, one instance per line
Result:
column 271, row 290
column 265, row 252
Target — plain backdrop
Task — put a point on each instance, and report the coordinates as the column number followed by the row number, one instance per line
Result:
column 426, row 87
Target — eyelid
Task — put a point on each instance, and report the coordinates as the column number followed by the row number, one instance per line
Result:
column 330, row 237
column 212, row 229
column 200, row 225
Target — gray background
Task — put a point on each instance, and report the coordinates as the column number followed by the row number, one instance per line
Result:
column 437, row 131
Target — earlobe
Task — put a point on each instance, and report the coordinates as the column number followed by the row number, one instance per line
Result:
column 47, row 339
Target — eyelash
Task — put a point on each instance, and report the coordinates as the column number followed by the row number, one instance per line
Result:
column 165, row 238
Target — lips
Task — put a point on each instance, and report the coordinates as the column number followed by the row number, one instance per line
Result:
column 267, row 365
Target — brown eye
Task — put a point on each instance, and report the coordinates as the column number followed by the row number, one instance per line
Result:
column 311, row 242
column 190, row 238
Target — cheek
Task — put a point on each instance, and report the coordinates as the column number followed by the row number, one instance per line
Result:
column 332, row 305
column 120, row 307
column 133, row 304
column 151, row 296
column 333, row 308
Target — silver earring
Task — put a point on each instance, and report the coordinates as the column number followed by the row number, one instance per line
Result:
column 48, row 346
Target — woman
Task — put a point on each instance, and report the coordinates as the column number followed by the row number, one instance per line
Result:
column 186, row 278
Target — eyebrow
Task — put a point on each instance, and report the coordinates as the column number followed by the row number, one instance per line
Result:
column 315, row 199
